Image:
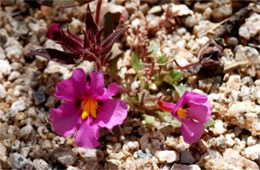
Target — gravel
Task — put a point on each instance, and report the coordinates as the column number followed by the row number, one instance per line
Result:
column 28, row 141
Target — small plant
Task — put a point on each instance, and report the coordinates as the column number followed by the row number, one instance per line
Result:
column 88, row 106
column 91, row 48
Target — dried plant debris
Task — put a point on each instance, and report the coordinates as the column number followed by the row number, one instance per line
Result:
column 209, row 61
column 234, row 21
column 231, row 24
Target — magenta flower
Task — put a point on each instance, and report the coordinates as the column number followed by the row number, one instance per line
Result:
column 88, row 108
column 193, row 110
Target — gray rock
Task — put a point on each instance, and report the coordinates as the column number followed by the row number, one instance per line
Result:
column 3, row 131
column 184, row 167
column 26, row 130
column 251, row 28
column 17, row 106
column 221, row 13
column 25, row 151
column 253, row 152
column 37, row 152
column 88, row 154
column 187, row 158
column 31, row 112
column 51, row 101
column 3, row 92
column 39, row 97
column 40, row 164
column 2, row 53
column 41, row 62
column 3, row 153
column 17, row 161
column 14, row 75
column 13, row 52
column 72, row 168
column 46, row 144
column 15, row 145
column 65, row 156
column 2, row 116
column 142, row 154
column 155, row 10
column 190, row 21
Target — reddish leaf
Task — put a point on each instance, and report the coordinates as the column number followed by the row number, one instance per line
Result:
column 98, row 36
column 55, row 55
column 109, row 41
column 91, row 26
column 69, row 41
column 63, row 4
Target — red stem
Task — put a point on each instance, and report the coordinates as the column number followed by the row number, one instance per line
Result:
column 187, row 66
column 98, row 9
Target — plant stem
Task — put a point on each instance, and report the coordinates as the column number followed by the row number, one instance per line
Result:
column 187, row 66
column 98, row 9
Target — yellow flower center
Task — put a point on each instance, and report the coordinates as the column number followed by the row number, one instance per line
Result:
column 182, row 113
column 89, row 106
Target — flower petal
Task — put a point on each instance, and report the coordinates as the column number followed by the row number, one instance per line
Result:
column 188, row 97
column 200, row 112
column 112, row 90
column 199, row 98
column 65, row 119
column 191, row 131
column 97, row 85
column 73, row 88
column 55, row 33
column 87, row 135
column 111, row 113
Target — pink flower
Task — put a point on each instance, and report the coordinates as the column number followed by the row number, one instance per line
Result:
column 193, row 110
column 88, row 108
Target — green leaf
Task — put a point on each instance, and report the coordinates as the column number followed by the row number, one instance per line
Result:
column 180, row 89
column 136, row 63
column 154, row 47
column 148, row 120
column 165, row 116
column 176, row 76
column 109, row 24
column 176, row 123
column 173, row 77
column 211, row 122
column 161, row 59
column 113, row 66
column 131, row 101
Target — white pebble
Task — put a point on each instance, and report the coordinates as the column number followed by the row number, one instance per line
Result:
column 5, row 67
column 17, row 106
column 3, row 92
column 167, row 156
